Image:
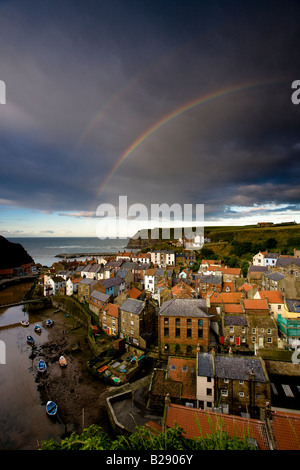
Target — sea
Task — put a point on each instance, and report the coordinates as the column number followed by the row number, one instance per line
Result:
column 43, row 250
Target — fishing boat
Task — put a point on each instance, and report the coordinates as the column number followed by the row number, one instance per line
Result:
column 42, row 367
column 49, row 323
column 62, row 361
column 30, row 339
column 37, row 329
column 51, row 408
column 24, row 323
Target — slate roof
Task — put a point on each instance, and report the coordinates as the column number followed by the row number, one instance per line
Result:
column 238, row 368
column 112, row 281
column 209, row 279
column 205, row 365
column 286, row 260
column 238, row 320
column 132, row 306
column 274, row 276
column 99, row 295
column 184, row 308
column 293, row 305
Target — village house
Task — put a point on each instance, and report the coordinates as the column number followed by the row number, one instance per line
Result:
column 112, row 286
column 72, row 285
column 183, row 291
column 162, row 258
column 178, row 381
column 249, row 290
column 270, row 259
column 97, row 300
column 137, row 322
column 289, row 323
column 254, row 275
column 230, row 274
column 182, row 325
column 256, row 307
column 207, row 283
column 139, row 272
column 262, row 332
column 85, row 287
column 258, row 259
column 150, row 280
column 54, row 285
column 124, row 256
column 273, row 280
column 235, row 384
column 110, row 319
column 144, row 258
column 235, row 329
column 274, row 300
column 126, row 275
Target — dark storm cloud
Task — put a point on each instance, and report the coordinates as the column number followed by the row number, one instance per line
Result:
column 130, row 64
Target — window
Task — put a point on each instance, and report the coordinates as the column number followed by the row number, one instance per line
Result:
column 184, row 369
column 189, row 333
column 241, row 382
column 241, row 394
column 231, row 339
column 177, row 322
column 226, row 381
column 269, row 331
column 253, row 339
column 253, row 331
column 269, row 339
column 209, row 392
column 200, row 334
column 166, row 332
column 132, row 323
column 231, row 329
column 200, row 322
column 243, row 330
column 188, row 322
column 166, row 321
column 224, row 393
column 177, row 332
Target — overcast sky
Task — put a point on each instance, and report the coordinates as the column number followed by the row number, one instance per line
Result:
column 86, row 80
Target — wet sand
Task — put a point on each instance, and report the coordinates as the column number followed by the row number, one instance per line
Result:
column 81, row 398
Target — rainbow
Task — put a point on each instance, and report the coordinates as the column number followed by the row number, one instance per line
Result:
column 176, row 113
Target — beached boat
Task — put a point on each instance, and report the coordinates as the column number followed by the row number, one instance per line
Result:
column 37, row 329
column 51, row 408
column 24, row 323
column 62, row 361
column 30, row 339
column 42, row 367
column 49, row 322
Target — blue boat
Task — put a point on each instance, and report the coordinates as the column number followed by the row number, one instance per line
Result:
column 30, row 339
column 42, row 367
column 49, row 322
column 37, row 329
column 51, row 408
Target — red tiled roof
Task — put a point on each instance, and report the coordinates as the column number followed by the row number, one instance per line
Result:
column 112, row 309
column 226, row 297
column 187, row 378
column 233, row 308
column 246, row 287
column 199, row 423
column 272, row 296
column 134, row 293
column 257, row 304
column 286, row 428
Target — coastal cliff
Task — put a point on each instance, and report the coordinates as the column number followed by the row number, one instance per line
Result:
column 13, row 255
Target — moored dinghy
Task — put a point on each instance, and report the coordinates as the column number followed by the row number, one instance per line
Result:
column 42, row 367
column 51, row 408
column 62, row 361
column 49, row 323
column 37, row 329
column 24, row 323
column 30, row 339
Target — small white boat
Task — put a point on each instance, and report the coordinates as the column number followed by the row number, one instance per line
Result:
column 24, row 323
column 49, row 323
column 62, row 361
column 37, row 329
